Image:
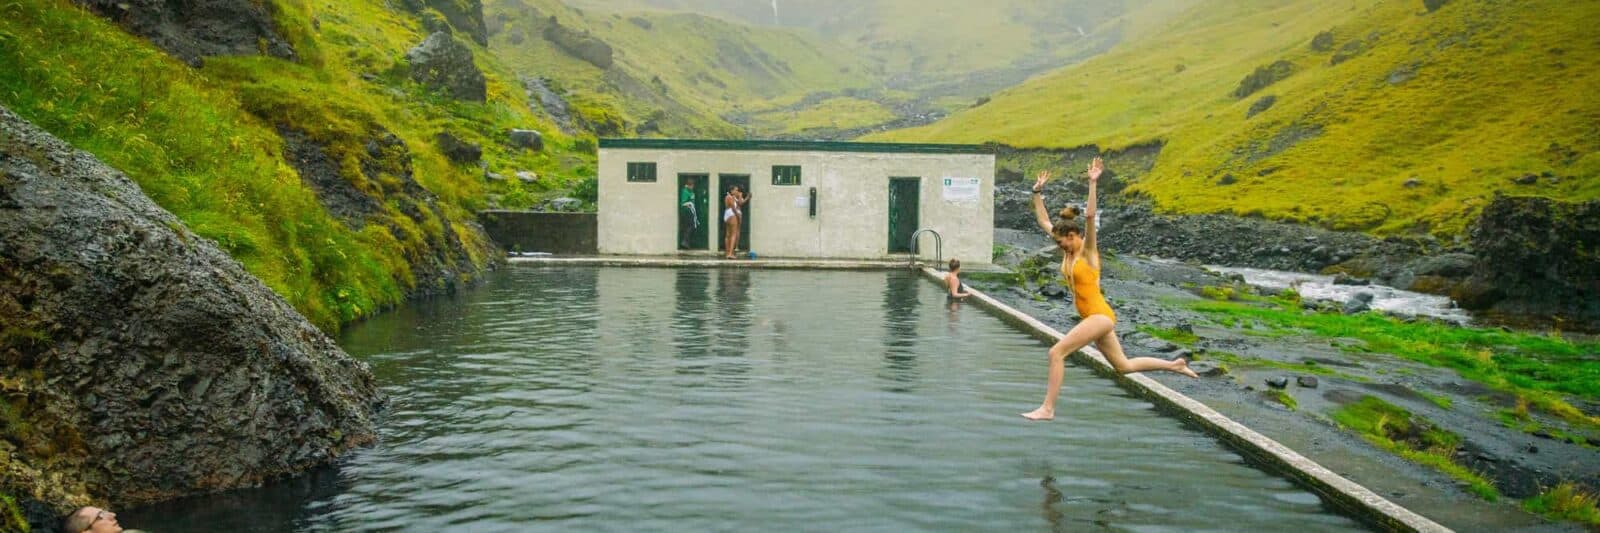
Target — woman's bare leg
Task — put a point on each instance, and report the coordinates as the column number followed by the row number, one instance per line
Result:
column 1094, row 327
column 738, row 227
column 1111, row 347
column 727, row 237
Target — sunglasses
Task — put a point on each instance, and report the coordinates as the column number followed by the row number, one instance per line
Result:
column 102, row 515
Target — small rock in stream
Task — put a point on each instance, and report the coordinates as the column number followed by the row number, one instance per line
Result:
column 1309, row 382
column 1278, row 382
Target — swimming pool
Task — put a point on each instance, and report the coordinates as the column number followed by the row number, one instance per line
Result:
column 612, row 398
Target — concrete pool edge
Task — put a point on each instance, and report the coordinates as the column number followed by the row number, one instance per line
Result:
column 1352, row 498
column 710, row 262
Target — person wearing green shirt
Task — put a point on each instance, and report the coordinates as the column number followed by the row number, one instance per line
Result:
column 687, row 219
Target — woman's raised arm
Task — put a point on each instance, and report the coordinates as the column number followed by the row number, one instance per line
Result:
column 1089, row 241
column 1039, row 214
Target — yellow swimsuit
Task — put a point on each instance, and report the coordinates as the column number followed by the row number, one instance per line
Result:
column 1086, row 290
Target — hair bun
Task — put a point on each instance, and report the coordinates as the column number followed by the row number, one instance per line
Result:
column 1068, row 212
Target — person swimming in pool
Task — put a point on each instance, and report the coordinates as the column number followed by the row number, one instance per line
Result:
column 952, row 280
column 1080, row 264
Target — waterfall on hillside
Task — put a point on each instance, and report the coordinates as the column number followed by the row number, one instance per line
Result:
column 774, row 12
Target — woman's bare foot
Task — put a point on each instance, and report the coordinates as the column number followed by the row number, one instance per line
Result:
column 1182, row 367
column 1039, row 414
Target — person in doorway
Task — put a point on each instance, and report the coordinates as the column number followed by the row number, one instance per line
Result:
column 1080, row 264
column 952, row 280
column 687, row 219
column 733, row 219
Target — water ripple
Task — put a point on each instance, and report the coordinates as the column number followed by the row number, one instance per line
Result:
column 627, row 399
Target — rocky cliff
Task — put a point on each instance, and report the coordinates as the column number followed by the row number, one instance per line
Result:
column 138, row 361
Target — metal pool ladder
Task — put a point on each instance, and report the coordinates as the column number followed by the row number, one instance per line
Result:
column 938, row 246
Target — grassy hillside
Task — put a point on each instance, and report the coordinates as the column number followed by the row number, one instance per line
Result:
column 676, row 74
column 204, row 143
column 1396, row 120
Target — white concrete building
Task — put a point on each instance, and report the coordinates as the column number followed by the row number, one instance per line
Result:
column 837, row 200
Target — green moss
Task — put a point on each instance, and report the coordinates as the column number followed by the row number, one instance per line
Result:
column 1283, row 397
column 1174, row 335
column 1566, row 501
column 11, row 515
column 1537, row 368
column 203, row 144
column 1392, row 428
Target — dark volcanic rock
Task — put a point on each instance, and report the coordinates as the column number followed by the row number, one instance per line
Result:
column 438, row 261
column 529, row 139
column 193, row 29
column 444, row 64
column 456, row 149
column 1262, row 77
column 1278, row 382
column 465, row 16
column 142, row 362
column 1541, row 256
column 1309, row 382
column 1261, row 104
column 580, row 44
column 1361, row 302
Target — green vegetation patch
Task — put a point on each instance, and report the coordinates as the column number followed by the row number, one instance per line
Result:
column 204, row 144
column 11, row 515
column 1173, row 335
column 1283, row 397
column 1566, row 501
column 1538, row 367
column 1392, row 428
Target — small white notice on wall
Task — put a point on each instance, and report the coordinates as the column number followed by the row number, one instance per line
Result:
column 961, row 189
column 802, row 201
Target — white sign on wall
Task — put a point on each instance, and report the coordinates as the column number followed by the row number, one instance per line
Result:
column 961, row 189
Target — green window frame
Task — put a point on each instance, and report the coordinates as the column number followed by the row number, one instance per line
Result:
column 641, row 172
column 785, row 174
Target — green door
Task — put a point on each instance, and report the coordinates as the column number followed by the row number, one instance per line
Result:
column 694, row 224
column 904, row 199
column 725, row 182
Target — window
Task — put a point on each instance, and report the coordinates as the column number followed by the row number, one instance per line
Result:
column 641, row 171
column 785, row 174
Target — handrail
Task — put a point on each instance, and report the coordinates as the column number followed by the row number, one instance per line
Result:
column 938, row 246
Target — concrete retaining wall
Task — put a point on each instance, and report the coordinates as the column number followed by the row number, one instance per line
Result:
column 527, row 231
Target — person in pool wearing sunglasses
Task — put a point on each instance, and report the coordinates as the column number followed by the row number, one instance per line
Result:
column 1080, row 264
column 93, row 520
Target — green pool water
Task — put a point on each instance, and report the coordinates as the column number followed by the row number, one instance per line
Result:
column 577, row 399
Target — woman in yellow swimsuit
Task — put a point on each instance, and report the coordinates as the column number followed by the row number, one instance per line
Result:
column 1080, row 264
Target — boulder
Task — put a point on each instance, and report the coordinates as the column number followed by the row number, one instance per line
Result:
column 566, row 204
column 1451, row 265
column 1309, row 382
column 527, row 176
column 465, row 16
column 1346, row 279
column 529, row 139
column 444, row 64
column 1361, row 302
column 456, row 149
column 580, row 44
column 190, row 30
column 170, row 368
column 1278, row 382
column 1412, row 183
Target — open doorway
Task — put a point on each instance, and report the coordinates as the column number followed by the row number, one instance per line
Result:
column 693, row 219
column 905, row 199
column 726, row 182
